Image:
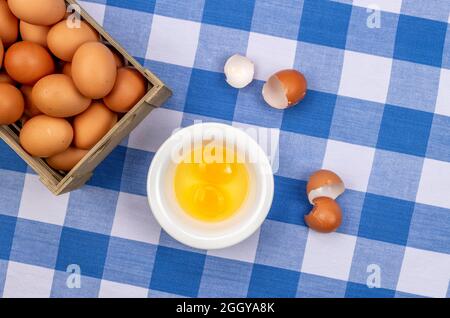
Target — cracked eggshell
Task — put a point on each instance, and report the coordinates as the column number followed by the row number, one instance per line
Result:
column 324, row 183
column 239, row 71
column 325, row 217
column 285, row 89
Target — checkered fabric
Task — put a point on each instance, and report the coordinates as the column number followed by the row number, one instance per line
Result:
column 377, row 112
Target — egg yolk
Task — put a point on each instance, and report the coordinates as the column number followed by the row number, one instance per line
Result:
column 211, row 191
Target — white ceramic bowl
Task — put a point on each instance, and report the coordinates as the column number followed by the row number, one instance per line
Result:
column 209, row 235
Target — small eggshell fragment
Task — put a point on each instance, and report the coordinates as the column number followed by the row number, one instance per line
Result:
column 239, row 71
column 9, row 25
column 66, row 160
column 44, row 136
column 285, row 89
column 31, row 109
column 129, row 88
column 94, row 70
column 5, row 78
column 11, row 104
column 325, row 217
column 63, row 40
column 27, row 62
column 56, row 95
column 92, row 125
column 324, row 183
column 40, row 12
column 34, row 33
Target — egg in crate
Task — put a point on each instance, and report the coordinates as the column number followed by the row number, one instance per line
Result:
column 31, row 109
column 34, row 33
column 66, row 160
column 40, row 12
column 9, row 25
column 11, row 104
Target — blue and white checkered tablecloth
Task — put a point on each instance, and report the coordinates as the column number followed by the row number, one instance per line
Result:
column 377, row 113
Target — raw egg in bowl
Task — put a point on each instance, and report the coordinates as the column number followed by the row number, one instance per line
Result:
column 210, row 186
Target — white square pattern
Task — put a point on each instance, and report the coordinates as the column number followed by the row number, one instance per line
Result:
column 365, row 76
column 27, row 281
column 393, row 6
column 329, row 255
column 434, row 186
column 39, row 204
column 110, row 289
column 351, row 162
column 95, row 10
column 443, row 99
column 424, row 273
column 173, row 41
column 244, row 251
column 134, row 220
column 270, row 54
column 155, row 129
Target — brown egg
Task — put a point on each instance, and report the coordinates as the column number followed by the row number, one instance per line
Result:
column 285, row 89
column 5, row 78
column 63, row 41
column 11, row 104
column 31, row 109
column 324, row 183
column 66, row 160
column 27, row 62
column 67, row 69
column 2, row 52
column 40, row 12
column 129, row 88
column 44, row 136
column 34, row 33
column 92, row 125
column 9, row 25
column 325, row 217
column 56, row 95
column 118, row 58
column 94, row 70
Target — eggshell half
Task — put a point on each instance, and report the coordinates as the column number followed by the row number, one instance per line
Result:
column 326, row 215
column 94, row 70
column 56, row 95
column 40, row 12
column 285, row 89
column 324, row 183
column 45, row 136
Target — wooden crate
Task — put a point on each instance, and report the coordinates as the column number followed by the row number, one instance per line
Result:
column 58, row 182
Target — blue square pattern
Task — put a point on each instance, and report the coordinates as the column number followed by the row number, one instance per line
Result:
column 312, row 286
column 325, row 23
column 289, row 204
column 271, row 282
column 129, row 262
column 231, row 13
column 134, row 179
column 216, row 44
column 386, row 219
column 89, row 286
column 439, row 139
column 362, row 291
column 373, row 260
column 7, row 227
column 270, row 17
column 181, row 9
column 313, row 116
column 11, row 192
column 321, row 65
column 35, row 243
column 395, row 175
column 352, row 204
column 137, row 5
column 85, row 249
column 281, row 245
column 429, row 229
column 108, row 174
column 404, row 130
column 210, row 95
column 363, row 36
column 446, row 55
column 413, row 86
column 85, row 213
column 224, row 278
column 120, row 23
column 3, row 270
column 431, row 9
column 356, row 121
column 9, row 160
column 177, row 272
column 420, row 40
column 300, row 155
